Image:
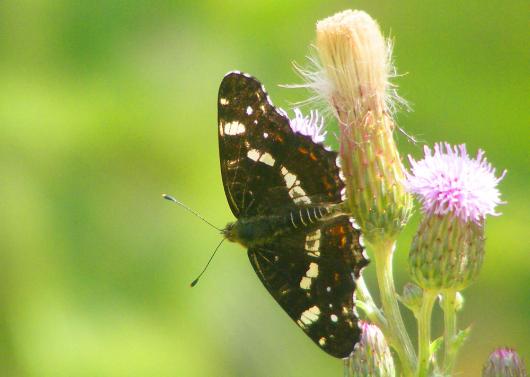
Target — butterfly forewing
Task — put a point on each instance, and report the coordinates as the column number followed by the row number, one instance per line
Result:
column 264, row 164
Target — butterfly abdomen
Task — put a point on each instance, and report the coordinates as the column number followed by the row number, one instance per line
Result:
column 262, row 229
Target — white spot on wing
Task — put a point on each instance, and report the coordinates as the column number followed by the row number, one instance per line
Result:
column 314, row 235
column 305, row 283
column 343, row 194
column 354, row 224
column 249, row 110
column 312, row 241
column 282, row 112
column 299, row 195
column 293, row 184
column 234, row 128
column 322, row 341
column 265, row 157
column 334, row 318
column 224, row 101
column 312, row 272
column 310, row 315
column 290, row 179
column 253, row 154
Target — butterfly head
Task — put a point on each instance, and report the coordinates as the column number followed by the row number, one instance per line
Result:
column 230, row 232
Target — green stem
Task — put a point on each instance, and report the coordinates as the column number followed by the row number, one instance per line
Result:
column 347, row 369
column 449, row 310
column 424, row 332
column 366, row 303
column 397, row 335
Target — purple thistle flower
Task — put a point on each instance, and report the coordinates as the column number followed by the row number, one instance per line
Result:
column 311, row 125
column 450, row 181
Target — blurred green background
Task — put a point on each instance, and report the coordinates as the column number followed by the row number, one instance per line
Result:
column 104, row 105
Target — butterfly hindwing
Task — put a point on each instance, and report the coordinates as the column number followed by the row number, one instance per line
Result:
column 312, row 276
column 262, row 160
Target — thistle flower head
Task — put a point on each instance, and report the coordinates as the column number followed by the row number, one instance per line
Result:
column 311, row 125
column 351, row 75
column 449, row 181
column 372, row 357
column 355, row 65
column 457, row 192
column 504, row 362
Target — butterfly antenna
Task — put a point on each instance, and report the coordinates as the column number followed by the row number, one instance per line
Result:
column 172, row 199
column 194, row 282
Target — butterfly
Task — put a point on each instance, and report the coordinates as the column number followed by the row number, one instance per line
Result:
column 287, row 194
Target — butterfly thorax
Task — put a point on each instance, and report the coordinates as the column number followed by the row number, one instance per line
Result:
column 259, row 230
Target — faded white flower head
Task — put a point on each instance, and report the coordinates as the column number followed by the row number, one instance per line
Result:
column 354, row 65
column 449, row 181
column 310, row 125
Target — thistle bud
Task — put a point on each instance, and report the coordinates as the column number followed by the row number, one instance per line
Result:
column 457, row 192
column 353, row 78
column 446, row 253
column 504, row 362
column 372, row 357
column 412, row 297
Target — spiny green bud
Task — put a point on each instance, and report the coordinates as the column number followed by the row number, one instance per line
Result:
column 412, row 297
column 372, row 357
column 504, row 362
column 446, row 252
column 353, row 77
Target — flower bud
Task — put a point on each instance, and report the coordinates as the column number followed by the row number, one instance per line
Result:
column 412, row 297
column 504, row 362
column 353, row 78
column 372, row 357
column 446, row 253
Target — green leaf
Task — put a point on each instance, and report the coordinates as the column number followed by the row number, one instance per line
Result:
column 458, row 341
column 436, row 345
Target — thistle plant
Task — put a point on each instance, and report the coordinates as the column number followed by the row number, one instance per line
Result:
column 351, row 75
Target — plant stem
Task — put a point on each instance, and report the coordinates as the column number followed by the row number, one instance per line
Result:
column 366, row 303
column 424, row 332
column 449, row 310
column 347, row 369
column 397, row 335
